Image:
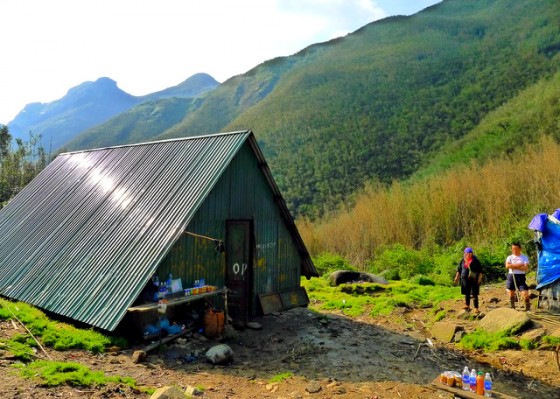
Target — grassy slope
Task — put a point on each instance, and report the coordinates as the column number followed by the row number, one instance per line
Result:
column 376, row 103
column 373, row 104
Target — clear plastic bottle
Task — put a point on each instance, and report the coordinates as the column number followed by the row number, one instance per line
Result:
column 466, row 381
column 472, row 381
column 169, row 282
column 488, row 385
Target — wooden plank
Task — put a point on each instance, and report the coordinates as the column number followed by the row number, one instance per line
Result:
column 162, row 341
column 460, row 393
column 175, row 301
column 270, row 303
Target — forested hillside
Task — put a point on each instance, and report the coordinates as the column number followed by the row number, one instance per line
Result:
column 481, row 192
column 376, row 104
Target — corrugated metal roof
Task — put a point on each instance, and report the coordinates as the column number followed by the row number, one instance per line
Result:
column 85, row 236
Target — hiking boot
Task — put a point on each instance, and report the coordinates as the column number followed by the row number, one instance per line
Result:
column 527, row 306
column 512, row 303
column 466, row 307
column 476, row 311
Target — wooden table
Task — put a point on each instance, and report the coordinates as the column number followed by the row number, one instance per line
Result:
column 145, row 307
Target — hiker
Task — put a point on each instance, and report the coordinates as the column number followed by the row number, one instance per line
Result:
column 470, row 273
column 517, row 265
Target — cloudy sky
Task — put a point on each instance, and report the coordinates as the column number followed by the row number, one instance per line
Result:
column 48, row 47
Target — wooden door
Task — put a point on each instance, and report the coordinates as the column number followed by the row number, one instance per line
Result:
column 239, row 269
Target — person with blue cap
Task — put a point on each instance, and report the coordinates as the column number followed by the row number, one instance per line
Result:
column 470, row 273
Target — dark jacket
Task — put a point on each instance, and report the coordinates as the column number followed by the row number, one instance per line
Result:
column 476, row 267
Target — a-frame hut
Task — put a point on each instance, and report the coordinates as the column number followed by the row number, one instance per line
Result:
column 87, row 235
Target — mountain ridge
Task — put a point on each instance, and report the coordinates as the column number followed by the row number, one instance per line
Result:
column 92, row 103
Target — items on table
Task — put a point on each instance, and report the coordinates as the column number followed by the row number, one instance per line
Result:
column 472, row 381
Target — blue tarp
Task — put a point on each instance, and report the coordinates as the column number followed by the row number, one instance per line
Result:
column 549, row 251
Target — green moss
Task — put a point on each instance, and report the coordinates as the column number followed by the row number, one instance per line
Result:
column 357, row 299
column 59, row 336
column 52, row 374
column 281, row 377
column 490, row 342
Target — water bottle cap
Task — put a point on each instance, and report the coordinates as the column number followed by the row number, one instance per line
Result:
column 480, row 373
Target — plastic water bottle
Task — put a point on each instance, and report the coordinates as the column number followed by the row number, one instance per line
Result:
column 487, row 385
column 472, row 381
column 169, row 283
column 155, row 280
column 466, row 378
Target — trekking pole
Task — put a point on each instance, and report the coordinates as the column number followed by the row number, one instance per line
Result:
column 516, row 289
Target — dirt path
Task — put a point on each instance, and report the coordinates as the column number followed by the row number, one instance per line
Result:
column 328, row 355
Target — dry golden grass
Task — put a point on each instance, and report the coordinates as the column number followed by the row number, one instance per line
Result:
column 471, row 203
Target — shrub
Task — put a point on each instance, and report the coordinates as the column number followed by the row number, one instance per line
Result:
column 396, row 262
column 327, row 263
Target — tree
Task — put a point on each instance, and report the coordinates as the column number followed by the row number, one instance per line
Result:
column 19, row 165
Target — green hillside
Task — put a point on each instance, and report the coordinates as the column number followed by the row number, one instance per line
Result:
column 377, row 104
column 506, row 131
column 136, row 125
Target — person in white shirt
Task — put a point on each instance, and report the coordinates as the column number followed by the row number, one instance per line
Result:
column 517, row 265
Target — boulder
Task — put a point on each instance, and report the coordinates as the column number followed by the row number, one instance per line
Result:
column 348, row 276
column 444, row 331
column 219, row 354
column 534, row 335
column 504, row 319
column 555, row 333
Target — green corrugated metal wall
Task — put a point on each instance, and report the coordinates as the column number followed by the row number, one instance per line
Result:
column 241, row 193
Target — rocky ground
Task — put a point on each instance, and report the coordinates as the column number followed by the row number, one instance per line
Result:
column 323, row 355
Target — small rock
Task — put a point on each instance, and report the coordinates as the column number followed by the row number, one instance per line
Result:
column 139, row 356
column 271, row 387
column 458, row 336
column 313, row 387
column 219, row 354
column 192, row 391
column 168, row 393
column 253, row 325
column 339, row 390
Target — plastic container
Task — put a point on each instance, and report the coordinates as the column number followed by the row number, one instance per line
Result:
column 450, row 379
column 443, row 377
column 488, row 385
column 472, row 381
column 466, row 378
column 458, row 379
column 214, row 323
column 480, row 383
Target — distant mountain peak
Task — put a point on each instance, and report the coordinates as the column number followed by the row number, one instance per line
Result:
column 92, row 103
